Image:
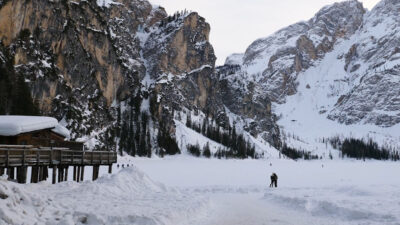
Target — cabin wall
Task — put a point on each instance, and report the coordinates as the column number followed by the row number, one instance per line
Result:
column 44, row 138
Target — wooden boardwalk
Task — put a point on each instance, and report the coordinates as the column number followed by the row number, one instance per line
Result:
column 40, row 159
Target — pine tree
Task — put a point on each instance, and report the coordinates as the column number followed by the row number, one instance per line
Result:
column 189, row 120
column 207, row 151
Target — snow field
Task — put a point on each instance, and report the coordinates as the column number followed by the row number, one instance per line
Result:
column 183, row 190
column 309, row 192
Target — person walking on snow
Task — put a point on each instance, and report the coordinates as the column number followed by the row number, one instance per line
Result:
column 274, row 180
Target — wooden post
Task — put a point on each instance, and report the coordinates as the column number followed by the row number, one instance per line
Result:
column 94, row 173
column 40, row 173
column 74, row 175
column 66, row 173
column 46, row 172
column 82, row 173
column 12, row 173
column 110, row 168
column 24, row 174
column 60, row 173
column 21, row 174
column 78, row 174
column 54, row 174
column 34, row 174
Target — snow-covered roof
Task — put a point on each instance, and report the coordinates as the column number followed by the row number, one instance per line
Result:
column 14, row 125
column 61, row 130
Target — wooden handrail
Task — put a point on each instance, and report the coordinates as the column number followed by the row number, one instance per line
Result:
column 36, row 157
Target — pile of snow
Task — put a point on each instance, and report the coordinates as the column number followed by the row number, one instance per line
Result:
column 14, row 125
column 128, row 197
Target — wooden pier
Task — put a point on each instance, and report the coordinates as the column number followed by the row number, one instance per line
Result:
column 17, row 158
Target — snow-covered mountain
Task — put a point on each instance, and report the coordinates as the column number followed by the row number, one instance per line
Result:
column 116, row 73
column 125, row 75
column 336, row 74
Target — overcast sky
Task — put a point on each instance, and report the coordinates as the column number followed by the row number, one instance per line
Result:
column 235, row 24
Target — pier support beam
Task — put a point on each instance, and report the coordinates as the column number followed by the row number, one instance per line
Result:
column 66, row 174
column 95, row 172
column 78, row 174
column 110, row 168
column 21, row 174
column 74, row 175
column 60, row 173
column 53, row 180
column 34, row 174
column 10, row 173
column 41, row 173
column 45, row 172
column 82, row 172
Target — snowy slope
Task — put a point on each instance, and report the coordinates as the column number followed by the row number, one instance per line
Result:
column 186, row 136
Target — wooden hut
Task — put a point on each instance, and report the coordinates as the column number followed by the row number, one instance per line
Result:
column 36, row 131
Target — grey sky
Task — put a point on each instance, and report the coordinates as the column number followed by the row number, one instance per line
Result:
column 235, row 24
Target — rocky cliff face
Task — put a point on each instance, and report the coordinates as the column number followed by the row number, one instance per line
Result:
column 83, row 58
column 103, row 67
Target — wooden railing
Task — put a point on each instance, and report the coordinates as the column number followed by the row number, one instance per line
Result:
column 13, row 156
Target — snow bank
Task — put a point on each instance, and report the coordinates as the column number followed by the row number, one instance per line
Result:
column 127, row 197
column 13, row 125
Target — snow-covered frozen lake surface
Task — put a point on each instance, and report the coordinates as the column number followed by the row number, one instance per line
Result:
column 184, row 190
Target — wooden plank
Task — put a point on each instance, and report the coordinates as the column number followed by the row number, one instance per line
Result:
column 16, row 146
